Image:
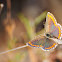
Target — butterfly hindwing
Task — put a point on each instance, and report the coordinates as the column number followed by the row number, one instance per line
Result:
column 43, row 43
column 52, row 26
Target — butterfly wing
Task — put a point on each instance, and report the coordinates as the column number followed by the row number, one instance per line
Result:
column 52, row 26
column 43, row 43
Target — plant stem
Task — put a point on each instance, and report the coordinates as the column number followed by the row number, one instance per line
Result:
column 13, row 49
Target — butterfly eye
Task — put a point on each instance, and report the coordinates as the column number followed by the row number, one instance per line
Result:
column 48, row 35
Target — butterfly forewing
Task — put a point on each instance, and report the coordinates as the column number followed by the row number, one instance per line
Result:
column 52, row 26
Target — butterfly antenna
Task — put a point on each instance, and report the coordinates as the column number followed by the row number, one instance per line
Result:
column 13, row 49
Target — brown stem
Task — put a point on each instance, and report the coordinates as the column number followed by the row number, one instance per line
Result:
column 9, row 9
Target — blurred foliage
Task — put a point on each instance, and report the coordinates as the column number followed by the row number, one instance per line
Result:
column 19, row 56
column 40, row 18
column 11, row 43
column 30, row 30
column 27, row 25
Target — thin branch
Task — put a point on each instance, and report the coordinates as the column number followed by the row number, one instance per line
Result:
column 13, row 49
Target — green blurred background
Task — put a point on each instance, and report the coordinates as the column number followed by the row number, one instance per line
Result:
column 21, row 21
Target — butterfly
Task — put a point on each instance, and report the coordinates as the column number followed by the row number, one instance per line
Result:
column 51, row 38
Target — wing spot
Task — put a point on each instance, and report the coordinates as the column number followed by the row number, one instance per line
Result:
column 51, row 46
column 35, row 45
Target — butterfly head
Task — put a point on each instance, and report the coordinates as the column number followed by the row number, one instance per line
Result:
column 48, row 35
